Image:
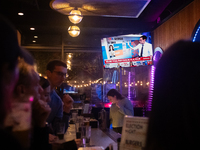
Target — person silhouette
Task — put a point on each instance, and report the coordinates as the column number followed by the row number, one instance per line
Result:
column 175, row 117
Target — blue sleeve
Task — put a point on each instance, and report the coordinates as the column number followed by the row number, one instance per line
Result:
column 126, row 108
column 65, row 119
column 60, row 109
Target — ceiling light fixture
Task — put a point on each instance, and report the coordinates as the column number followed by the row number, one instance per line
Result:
column 74, row 31
column 20, row 13
column 75, row 16
column 32, row 29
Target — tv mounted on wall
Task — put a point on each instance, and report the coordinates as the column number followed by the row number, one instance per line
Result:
column 69, row 90
column 119, row 51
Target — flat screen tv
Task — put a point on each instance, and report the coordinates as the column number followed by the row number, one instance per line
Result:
column 69, row 90
column 123, row 51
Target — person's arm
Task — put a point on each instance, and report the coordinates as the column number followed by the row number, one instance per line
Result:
column 54, row 123
column 65, row 119
column 125, row 107
column 40, row 139
column 67, row 106
column 59, row 114
column 110, row 117
column 40, row 134
column 67, row 103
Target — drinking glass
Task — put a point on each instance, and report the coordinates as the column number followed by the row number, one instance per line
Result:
column 86, row 121
column 74, row 116
column 60, row 130
column 85, row 135
column 88, row 135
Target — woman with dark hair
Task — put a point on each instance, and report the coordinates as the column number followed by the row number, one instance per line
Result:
column 175, row 116
column 111, row 51
column 121, row 106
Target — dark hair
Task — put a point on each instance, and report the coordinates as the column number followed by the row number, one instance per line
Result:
column 175, row 116
column 114, row 92
column 44, row 82
column 9, row 43
column 144, row 37
column 51, row 65
column 8, row 58
column 110, row 47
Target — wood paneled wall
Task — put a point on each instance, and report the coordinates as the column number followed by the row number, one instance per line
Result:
column 179, row 26
column 19, row 37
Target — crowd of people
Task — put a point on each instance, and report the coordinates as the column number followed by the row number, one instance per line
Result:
column 30, row 107
column 173, row 123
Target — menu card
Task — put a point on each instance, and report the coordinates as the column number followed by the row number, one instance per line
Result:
column 134, row 133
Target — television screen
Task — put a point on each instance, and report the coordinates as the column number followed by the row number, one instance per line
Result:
column 126, row 51
column 69, row 89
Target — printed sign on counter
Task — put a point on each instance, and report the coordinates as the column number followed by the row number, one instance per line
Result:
column 134, row 133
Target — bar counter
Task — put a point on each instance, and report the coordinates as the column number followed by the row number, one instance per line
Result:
column 98, row 138
column 104, row 138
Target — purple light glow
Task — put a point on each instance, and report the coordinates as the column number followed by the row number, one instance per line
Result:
column 31, row 98
column 149, row 103
column 157, row 55
column 129, row 87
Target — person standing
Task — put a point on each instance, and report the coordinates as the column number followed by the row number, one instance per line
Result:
column 60, row 110
column 121, row 106
column 145, row 49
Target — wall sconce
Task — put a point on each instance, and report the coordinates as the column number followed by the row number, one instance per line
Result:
column 75, row 16
column 74, row 31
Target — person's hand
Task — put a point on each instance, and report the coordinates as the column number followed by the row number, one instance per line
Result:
column 117, row 104
column 52, row 138
column 40, row 112
column 78, row 142
column 67, row 103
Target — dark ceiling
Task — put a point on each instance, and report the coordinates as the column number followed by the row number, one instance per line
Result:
column 51, row 26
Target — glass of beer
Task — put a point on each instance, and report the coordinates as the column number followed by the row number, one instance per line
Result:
column 86, row 121
column 60, row 130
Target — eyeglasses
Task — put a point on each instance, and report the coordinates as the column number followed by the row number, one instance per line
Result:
column 61, row 74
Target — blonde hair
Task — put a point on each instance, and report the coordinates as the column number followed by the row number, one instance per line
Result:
column 25, row 73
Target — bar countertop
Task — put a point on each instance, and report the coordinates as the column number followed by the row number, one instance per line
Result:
column 104, row 138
